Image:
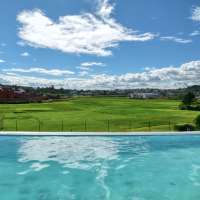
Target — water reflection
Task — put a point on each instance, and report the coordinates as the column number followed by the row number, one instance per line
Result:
column 91, row 168
column 71, row 151
column 82, row 153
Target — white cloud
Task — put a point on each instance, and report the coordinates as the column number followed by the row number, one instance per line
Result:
column 54, row 72
column 195, row 33
column 129, row 77
column 96, row 82
column 25, row 54
column 82, row 73
column 187, row 72
column 14, row 63
column 148, row 68
column 34, row 59
column 83, row 68
column 12, row 74
column 3, row 44
column 92, row 63
column 81, row 34
column 2, row 61
column 1, row 52
column 169, row 77
column 176, row 39
column 195, row 12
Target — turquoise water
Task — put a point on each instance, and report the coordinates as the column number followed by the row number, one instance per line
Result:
column 89, row 168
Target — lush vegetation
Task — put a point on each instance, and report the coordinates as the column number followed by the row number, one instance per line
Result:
column 185, row 127
column 187, row 101
column 99, row 114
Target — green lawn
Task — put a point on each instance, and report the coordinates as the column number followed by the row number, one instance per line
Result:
column 123, row 115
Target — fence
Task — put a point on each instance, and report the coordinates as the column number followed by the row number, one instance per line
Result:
column 105, row 126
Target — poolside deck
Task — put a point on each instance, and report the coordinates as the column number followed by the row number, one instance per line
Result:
column 19, row 133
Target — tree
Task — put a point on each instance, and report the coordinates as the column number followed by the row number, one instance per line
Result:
column 188, row 98
column 27, row 90
column 62, row 90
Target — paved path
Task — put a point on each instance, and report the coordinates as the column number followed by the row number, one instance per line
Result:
column 19, row 133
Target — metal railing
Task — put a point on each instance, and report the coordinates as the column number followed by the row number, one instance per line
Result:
column 109, row 126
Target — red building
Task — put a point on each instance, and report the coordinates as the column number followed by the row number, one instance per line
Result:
column 7, row 94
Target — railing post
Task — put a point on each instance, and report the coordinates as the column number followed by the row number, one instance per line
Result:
column 108, row 126
column 149, row 126
column 85, row 126
column 62, row 126
column 39, row 126
column 169, row 125
column 71, row 130
column 130, row 127
column 16, row 125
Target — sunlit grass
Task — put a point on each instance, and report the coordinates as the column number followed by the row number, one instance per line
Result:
column 95, row 115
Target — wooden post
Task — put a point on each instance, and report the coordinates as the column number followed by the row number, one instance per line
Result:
column 85, row 126
column 62, row 126
column 149, row 126
column 16, row 125
column 108, row 126
column 169, row 125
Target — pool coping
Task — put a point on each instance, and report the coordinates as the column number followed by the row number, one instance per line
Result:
column 20, row 133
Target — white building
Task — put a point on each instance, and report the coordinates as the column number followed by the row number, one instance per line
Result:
column 144, row 95
column 20, row 91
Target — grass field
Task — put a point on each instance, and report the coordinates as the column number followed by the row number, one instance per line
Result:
column 94, row 115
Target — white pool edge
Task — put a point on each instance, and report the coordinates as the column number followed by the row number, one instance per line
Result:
column 20, row 133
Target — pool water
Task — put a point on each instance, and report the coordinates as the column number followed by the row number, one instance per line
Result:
column 89, row 168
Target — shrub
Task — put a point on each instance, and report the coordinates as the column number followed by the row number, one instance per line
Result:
column 197, row 122
column 39, row 101
column 183, row 106
column 185, row 127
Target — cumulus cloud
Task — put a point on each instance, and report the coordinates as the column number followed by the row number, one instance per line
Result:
column 187, row 72
column 82, row 73
column 1, row 52
column 25, row 54
column 83, row 68
column 3, row 44
column 129, row 77
column 2, row 61
column 54, row 72
column 169, row 77
column 92, row 63
column 95, row 82
column 179, row 40
column 80, row 34
column 195, row 33
column 195, row 12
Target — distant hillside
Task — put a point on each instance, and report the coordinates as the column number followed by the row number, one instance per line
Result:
column 194, row 88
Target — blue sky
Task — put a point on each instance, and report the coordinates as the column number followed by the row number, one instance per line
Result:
column 100, row 44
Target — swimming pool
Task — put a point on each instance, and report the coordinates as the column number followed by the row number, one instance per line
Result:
column 89, row 168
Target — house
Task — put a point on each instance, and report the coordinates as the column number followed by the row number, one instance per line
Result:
column 144, row 95
column 20, row 91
